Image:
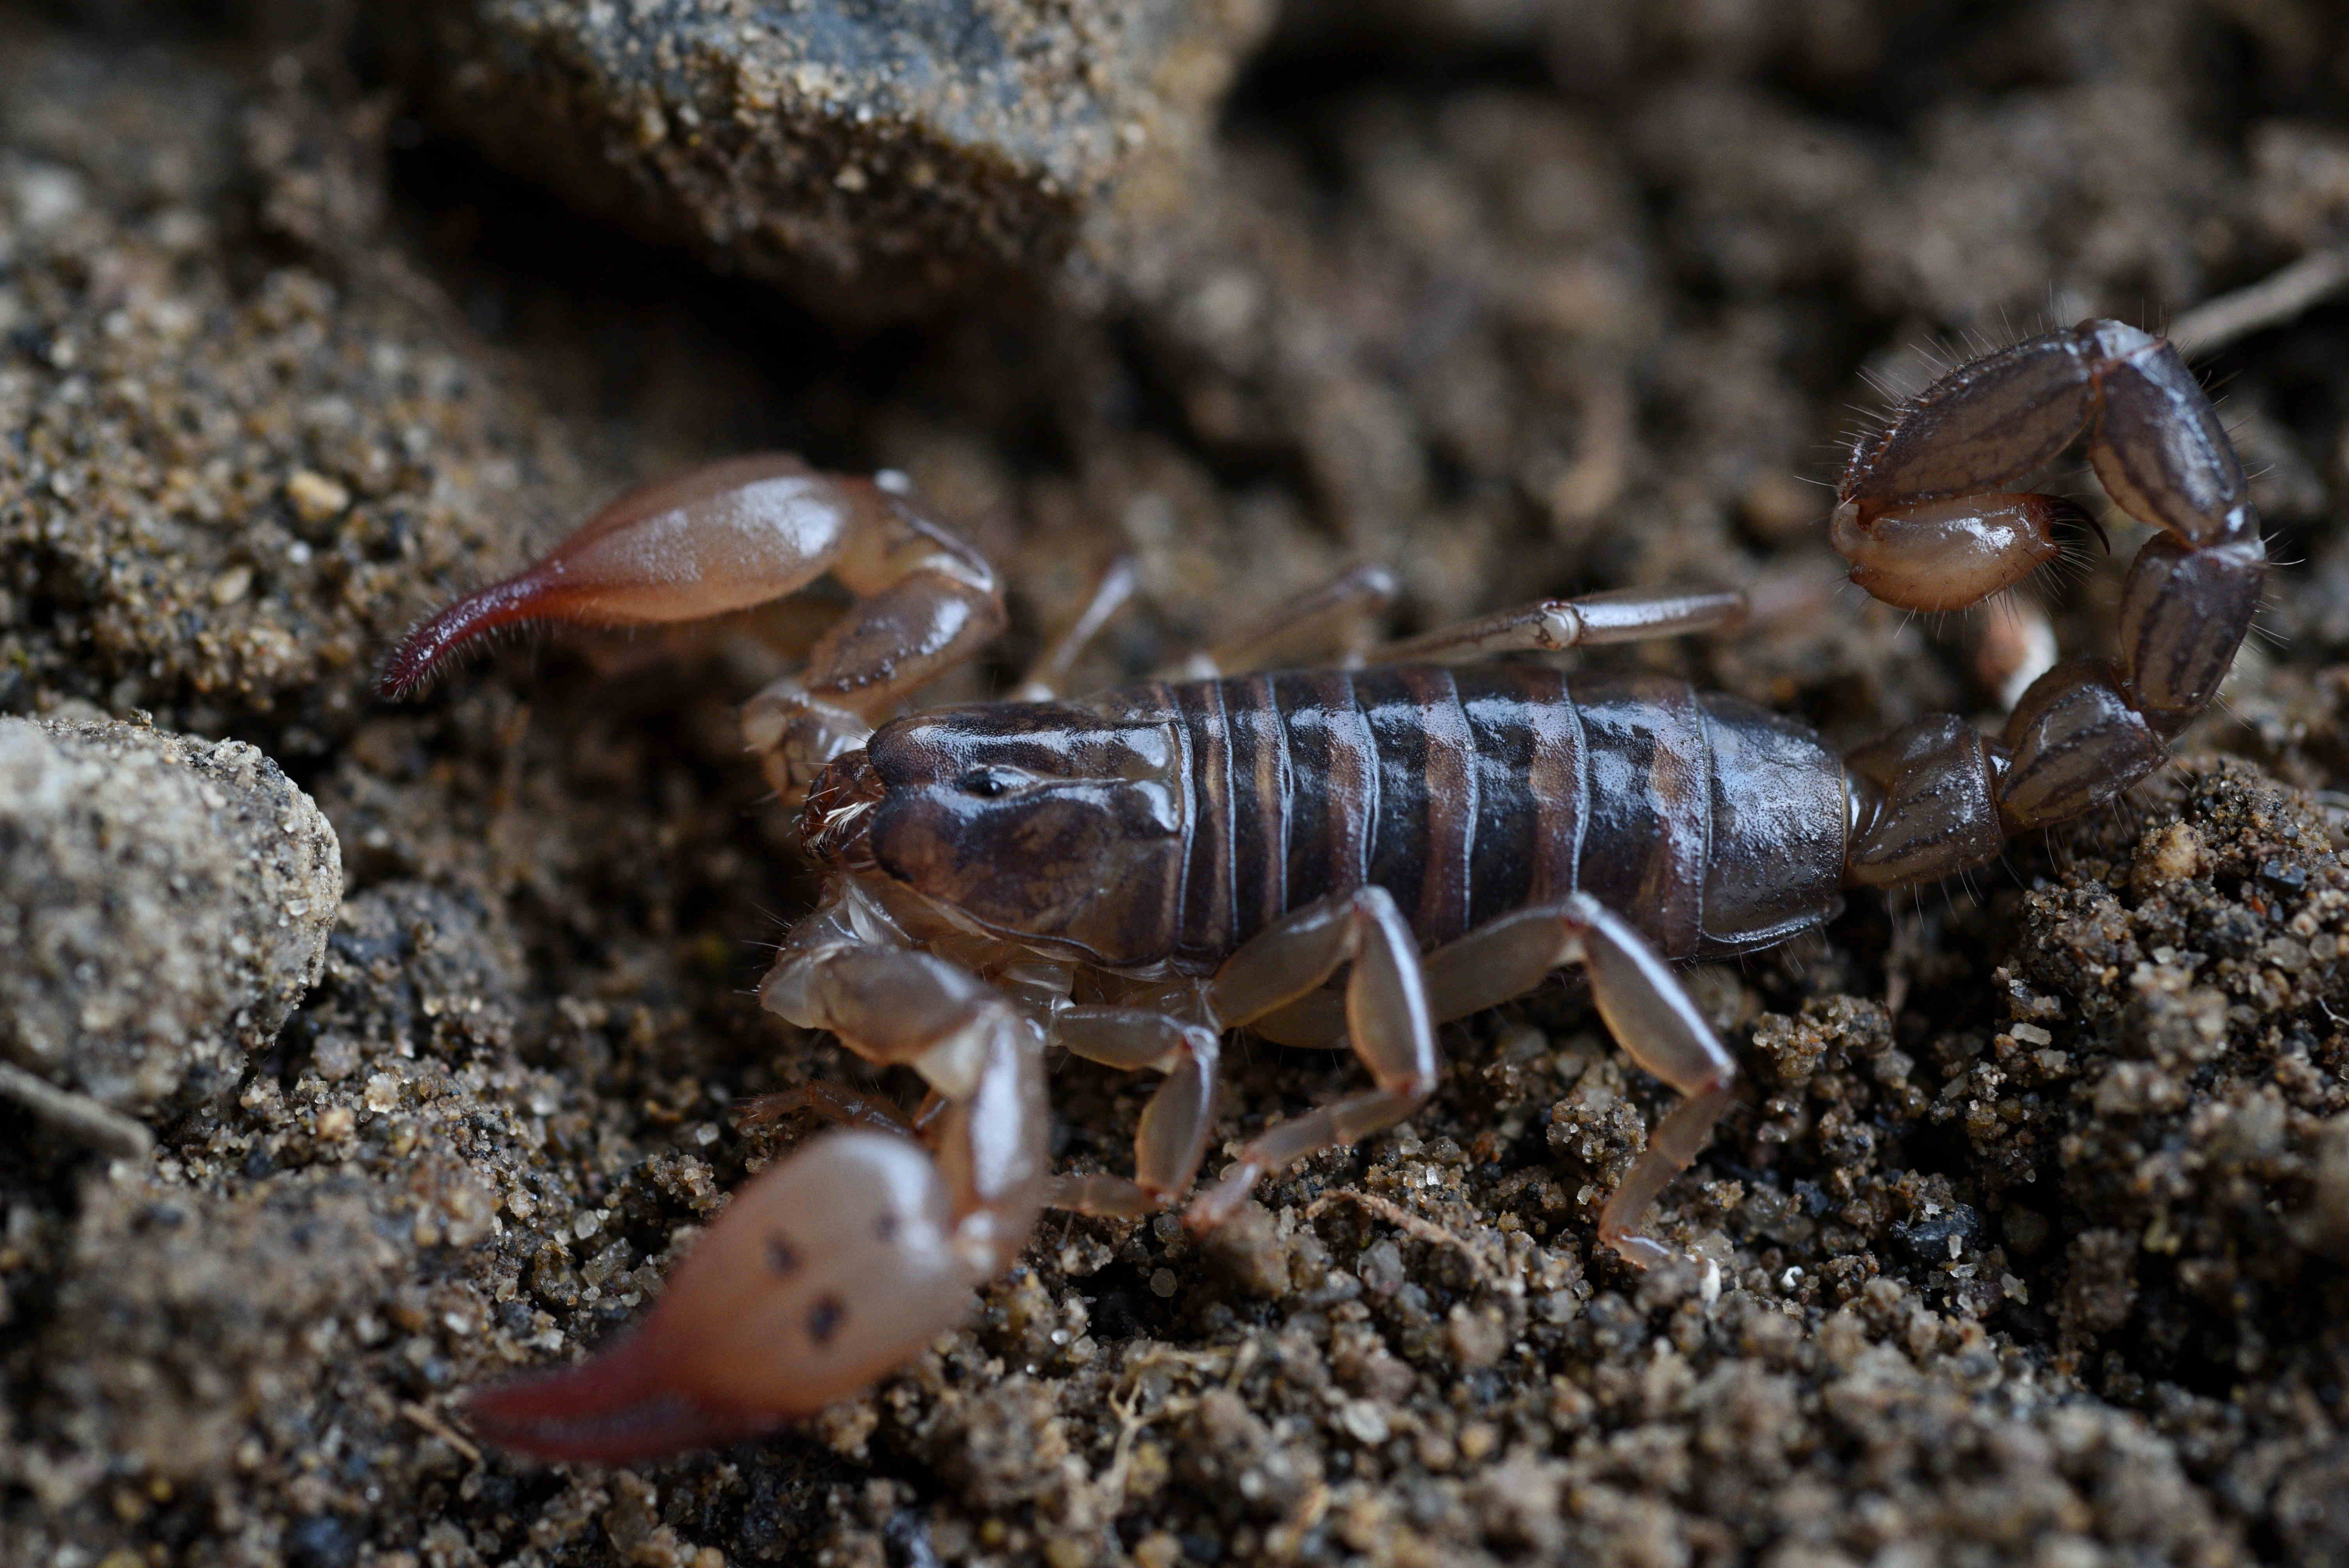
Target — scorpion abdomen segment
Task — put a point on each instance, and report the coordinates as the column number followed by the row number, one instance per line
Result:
column 1928, row 803
column 1467, row 794
column 2159, row 450
column 1780, row 821
column 2184, row 611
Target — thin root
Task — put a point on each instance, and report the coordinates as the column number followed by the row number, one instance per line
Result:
column 1395, row 1214
column 2272, row 301
column 77, row 1115
column 420, row 1417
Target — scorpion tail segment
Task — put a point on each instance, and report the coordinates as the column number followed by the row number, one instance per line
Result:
column 725, row 537
column 1923, row 512
column 1926, row 803
column 2089, row 728
column 620, row 1407
column 1935, row 798
column 2158, row 447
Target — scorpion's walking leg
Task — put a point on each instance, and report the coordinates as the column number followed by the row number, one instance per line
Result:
column 1643, row 1003
column 1173, row 1137
column 1387, row 1021
column 1335, row 624
column 1335, row 619
column 1050, row 673
column 836, row 1103
column 1645, row 1007
column 739, row 533
column 843, row 1259
column 1553, row 625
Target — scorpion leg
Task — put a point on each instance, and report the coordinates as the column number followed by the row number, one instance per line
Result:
column 1340, row 613
column 839, row 1261
column 1044, row 677
column 1387, row 1020
column 1173, row 1136
column 1549, row 625
column 1645, row 1007
column 836, row 1103
column 1334, row 623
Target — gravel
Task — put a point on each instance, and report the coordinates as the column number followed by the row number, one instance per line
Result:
column 164, row 903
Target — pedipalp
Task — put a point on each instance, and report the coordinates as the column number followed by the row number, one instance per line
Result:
column 843, row 1260
column 739, row 533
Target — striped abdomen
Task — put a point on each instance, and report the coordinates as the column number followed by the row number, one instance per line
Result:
column 1468, row 793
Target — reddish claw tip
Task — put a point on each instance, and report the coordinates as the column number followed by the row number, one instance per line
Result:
column 620, row 1406
column 424, row 651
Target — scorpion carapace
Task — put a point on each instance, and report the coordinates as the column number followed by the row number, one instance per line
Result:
column 1343, row 857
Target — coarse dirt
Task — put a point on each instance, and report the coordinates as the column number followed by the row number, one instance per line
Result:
column 2030, row 1243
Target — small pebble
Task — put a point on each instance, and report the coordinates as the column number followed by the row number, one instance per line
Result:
column 314, row 496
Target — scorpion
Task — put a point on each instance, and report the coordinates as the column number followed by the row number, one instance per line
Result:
column 1344, row 857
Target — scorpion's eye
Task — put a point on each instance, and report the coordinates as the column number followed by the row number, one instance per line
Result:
column 986, row 783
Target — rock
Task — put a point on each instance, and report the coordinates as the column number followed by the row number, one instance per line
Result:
column 877, row 157
column 184, row 1318
column 164, row 902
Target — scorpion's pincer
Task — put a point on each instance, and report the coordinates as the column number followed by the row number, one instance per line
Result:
column 823, row 1275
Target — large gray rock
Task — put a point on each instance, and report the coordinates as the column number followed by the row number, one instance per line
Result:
column 907, row 150
column 164, row 902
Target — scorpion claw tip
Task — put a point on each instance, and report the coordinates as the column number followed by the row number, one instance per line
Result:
column 428, row 648
column 620, row 1406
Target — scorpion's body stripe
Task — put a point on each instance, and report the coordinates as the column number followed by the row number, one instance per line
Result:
column 1400, row 709
column 1471, row 793
column 1275, row 790
column 1260, row 795
column 1449, row 805
column 1332, row 766
column 1207, row 911
column 1529, row 788
column 1222, row 896
column 1362, row 839
column 1560, row 786
column 1645, row 760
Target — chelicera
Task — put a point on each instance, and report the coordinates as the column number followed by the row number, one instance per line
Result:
column 1344, row 856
